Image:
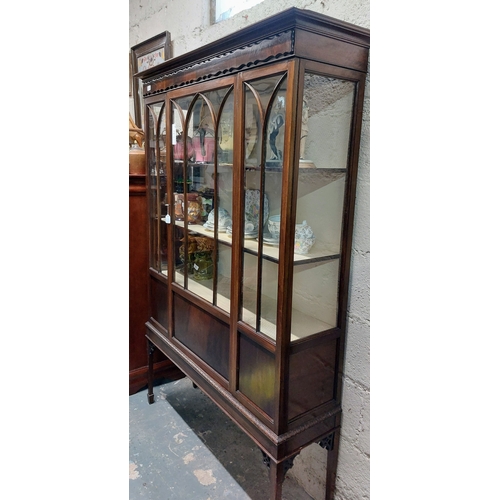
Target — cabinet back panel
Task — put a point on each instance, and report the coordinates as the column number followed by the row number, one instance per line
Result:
column 312, row 375
column 203, row 334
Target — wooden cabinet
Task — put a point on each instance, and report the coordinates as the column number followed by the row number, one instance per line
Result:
column 252, row 149
column 138, row 293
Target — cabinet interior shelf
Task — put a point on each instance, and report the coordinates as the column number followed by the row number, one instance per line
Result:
column 268, row 168
column 303, row 325
column 269, row 252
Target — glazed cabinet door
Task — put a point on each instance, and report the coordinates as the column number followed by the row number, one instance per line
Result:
column 158, row 209
column 201, row 130
column 156, row 171
column 202, row 135
column 266, row 121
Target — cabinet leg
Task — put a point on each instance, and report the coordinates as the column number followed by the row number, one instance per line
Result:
column 277, row 473
column 276, row 476
column 331, row 444
column 151, row 350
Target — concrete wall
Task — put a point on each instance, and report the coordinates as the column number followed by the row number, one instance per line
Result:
column 188, row 22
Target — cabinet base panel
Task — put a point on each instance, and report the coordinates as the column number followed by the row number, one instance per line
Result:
column 277, row 447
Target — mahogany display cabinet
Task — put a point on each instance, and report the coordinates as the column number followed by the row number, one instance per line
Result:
column 252, row 148
column 138, row 294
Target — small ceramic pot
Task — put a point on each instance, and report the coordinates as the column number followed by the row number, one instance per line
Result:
column 203, row 266
column 273, row 225
column 193, row 208
column 136, row 160
column 304, row 238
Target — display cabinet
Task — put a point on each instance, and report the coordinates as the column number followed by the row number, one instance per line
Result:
column 138, row 294
column 252, row 151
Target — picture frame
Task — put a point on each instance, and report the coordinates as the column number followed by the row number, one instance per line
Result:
column 145, row 55
column 130, row 74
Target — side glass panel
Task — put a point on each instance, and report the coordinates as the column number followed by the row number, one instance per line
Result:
column 264, row 143
column 156, row 172
column 326, row 124
column 202, row 138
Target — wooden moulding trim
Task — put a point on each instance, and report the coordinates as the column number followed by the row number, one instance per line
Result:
column 157, row 326
column 256, row 410
column 137, row 185
column 275, row 47
column 330, row 407
column 157, row 276
column 259, row 338
column 264, row 42
column 201, row 303
column 235, row 408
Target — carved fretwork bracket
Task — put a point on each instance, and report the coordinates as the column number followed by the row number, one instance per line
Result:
column 287, row 464
column 327, row 442
column 266, row 459
column 151, row 348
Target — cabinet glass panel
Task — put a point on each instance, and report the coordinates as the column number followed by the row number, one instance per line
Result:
column 156, row 172
column 264, row 144
column 202, row 135
column 326, row 125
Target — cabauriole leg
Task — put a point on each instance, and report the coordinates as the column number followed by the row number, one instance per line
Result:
column 151, row 350
column 277, row 473
column 331, row 444
column 276, row 476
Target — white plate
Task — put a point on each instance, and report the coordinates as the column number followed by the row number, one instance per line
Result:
column 248, row 236
column 271, row 241
column 211, row 228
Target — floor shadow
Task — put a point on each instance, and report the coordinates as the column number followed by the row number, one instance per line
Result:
column 235, row 451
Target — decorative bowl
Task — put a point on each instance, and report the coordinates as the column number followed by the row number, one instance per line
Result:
column 224, row 218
